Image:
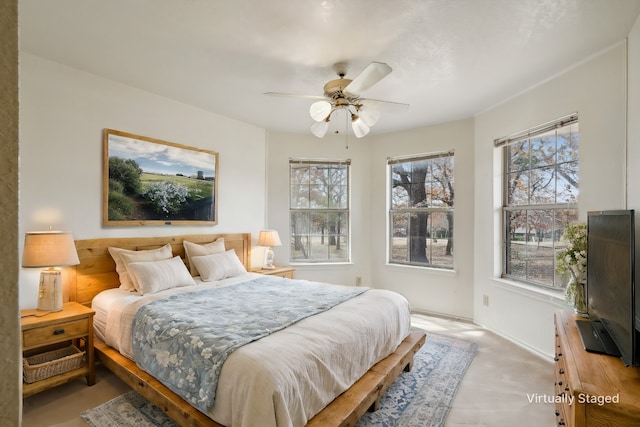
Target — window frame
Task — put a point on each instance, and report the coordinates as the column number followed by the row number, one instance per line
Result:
column 553, row 208
column 320, row 210
column 418, row 210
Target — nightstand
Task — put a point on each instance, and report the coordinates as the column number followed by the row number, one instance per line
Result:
column 286, row 272
column 43, row 332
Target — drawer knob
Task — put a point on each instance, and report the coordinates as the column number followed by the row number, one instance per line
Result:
column 561, row 371
column 58, row 331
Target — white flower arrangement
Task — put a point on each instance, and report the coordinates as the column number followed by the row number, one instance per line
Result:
column 573, row 260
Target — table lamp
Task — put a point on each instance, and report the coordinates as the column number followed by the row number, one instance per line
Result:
column 49, row 249
column 268, row 238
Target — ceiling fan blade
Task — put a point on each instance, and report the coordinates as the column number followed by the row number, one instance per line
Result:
column 384, row 106
column 295, row 95
column 371, row 75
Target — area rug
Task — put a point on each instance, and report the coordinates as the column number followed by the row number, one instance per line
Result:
column 420, row 398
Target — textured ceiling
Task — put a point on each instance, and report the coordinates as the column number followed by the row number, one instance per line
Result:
column 451, row 58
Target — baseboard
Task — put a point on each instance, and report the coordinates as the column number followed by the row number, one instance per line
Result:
column 523, row 345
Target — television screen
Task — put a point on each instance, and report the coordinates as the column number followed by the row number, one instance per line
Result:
column 610, row 277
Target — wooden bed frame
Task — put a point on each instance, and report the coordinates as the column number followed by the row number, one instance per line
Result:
column 96, row 272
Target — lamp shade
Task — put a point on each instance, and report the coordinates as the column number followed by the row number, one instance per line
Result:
column 49, row 249
column 269, row 238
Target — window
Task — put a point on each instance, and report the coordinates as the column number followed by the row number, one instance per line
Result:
column 421, row 210
column 540, row 198
column 319, row 210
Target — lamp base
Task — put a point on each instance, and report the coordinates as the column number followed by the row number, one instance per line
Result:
column 268, row 259
column 50, row 290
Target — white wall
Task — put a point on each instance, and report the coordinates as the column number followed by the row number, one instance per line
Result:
column 282, row 147
column 431, row 290
column 633, row 121
column 62, row 114
column 633, row 129
column 596, row 90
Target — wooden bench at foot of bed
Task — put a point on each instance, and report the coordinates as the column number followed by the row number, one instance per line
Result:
column 344, row 411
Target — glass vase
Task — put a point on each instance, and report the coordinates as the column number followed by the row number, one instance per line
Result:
column 580, row 298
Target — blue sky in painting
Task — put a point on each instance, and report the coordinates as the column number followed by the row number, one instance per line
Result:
column 162, row 159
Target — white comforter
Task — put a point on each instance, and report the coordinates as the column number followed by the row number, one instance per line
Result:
column 286, row 378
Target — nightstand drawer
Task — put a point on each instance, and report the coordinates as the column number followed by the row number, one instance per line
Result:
column 54, row 333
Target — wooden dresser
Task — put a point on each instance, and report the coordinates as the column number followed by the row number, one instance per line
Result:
column 592, row 389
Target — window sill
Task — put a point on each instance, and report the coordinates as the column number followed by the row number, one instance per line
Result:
column 321, row 265
column 443, row 271
column 554, row 296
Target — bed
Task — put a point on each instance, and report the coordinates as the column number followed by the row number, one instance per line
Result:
column 333, row 395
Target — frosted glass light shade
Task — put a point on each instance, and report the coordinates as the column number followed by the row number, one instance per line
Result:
column 369, row 116
column 360, row 128
column 319, row 129
column 319, row 110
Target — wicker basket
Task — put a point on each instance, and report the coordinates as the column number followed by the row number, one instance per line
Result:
column 45, row 365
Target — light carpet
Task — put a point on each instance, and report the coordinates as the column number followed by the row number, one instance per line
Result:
column 420, row 398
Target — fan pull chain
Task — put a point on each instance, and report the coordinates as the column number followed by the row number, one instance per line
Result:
column 346, row 131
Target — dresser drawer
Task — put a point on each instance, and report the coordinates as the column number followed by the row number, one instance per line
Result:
column 54, row 333
column 564, row 410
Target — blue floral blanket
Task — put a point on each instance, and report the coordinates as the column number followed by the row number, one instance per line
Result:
column 184, row 339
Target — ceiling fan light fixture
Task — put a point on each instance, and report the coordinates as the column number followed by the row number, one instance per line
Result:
column 320, row 110
column 360, row 128
column 319, row 129
column 342, row 96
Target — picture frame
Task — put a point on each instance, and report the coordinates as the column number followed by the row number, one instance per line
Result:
column 148, row 181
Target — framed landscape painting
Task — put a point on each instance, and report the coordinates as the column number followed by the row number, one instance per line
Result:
column 148, row 181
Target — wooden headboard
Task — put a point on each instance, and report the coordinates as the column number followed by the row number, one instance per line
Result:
column 97, row 271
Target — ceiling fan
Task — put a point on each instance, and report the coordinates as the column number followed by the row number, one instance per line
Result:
column 343, row 94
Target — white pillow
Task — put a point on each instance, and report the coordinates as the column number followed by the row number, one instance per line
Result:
column 194, row 249
column 126, row 282
column 156, row 276
column 219, row 266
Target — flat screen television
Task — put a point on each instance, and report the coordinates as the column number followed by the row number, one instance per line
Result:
column 613, row 326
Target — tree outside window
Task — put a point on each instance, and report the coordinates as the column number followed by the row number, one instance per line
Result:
column 541, row 198
column 421, row 211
